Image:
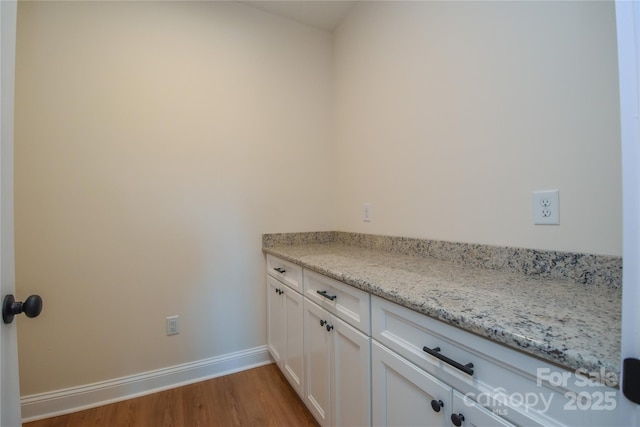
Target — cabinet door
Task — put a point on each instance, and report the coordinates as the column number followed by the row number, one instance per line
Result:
column 275, row 319
column 350, row 369
column 403, row 393
column 468, row 413
column 292, row 363
column 317, row 347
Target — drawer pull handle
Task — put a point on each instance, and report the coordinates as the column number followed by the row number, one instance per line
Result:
column 323, row 322
column 324, row 294
column 280, row 270
column 279, row 291
column 329, row 327
column 435, row 352
column 436, row 405
column 457, row 419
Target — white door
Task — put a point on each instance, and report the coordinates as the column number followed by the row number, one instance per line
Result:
column 628, row 26
column 9, row 389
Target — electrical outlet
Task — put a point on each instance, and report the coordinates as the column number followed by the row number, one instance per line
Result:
column 367, row 212
column 546, row 207
column 173, row 326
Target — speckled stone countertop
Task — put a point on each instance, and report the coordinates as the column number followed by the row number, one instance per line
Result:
column 575, row 325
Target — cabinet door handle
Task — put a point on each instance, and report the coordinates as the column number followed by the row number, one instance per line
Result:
column 435, row 352
column 328, row 326
column 324, row 294
column 436, row 405
column 280, row 270
column 457, row 419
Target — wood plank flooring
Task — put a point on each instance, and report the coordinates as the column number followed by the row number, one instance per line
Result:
column 257, row 397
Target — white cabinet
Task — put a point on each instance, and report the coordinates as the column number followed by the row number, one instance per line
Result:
column 337, row 369
column 287, row 272
column 501, row 386
column 360, row 360
column 405, row 395
column 317, row 354
column 348, row 303
column 284, row 331
column 275, row 320
column 351, row 376
column 412, row 387
column 322, row 347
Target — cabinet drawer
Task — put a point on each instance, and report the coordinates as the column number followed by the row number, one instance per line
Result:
column 285, row 271
column 408, row 333
column 348, row 303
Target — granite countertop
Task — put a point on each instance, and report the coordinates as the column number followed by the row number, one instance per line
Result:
column 567, row 323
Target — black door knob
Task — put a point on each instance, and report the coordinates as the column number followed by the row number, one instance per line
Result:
column 436, row 405
column 32, row 307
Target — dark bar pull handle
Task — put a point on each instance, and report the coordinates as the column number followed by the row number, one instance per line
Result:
column 435, row 352
column 280, row 270
column 324, row 294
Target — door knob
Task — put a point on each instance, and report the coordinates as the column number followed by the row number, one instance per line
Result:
column 10, row 307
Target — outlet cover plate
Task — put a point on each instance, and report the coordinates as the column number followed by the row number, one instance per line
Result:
column 173, row 325
column 546, row 207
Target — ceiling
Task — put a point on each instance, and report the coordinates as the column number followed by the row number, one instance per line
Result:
column 324, row 15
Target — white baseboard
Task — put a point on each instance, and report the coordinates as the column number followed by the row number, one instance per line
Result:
column 59, row 402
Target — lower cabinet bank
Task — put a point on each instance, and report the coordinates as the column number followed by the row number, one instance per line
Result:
column 360, row 360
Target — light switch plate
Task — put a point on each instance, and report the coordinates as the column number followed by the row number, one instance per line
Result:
column 367, row 213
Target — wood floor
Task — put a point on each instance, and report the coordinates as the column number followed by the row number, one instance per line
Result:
column 257, row 397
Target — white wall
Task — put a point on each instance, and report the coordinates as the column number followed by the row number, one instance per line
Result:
column 155, row 142
column 450, row 114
